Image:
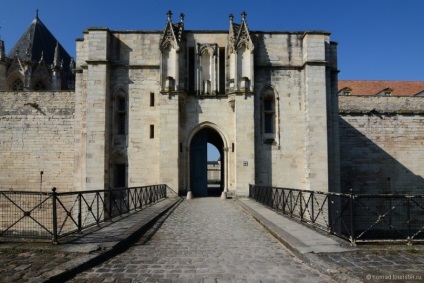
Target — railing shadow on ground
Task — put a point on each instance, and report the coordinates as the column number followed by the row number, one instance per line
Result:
column 55, row 215
column 353, row 217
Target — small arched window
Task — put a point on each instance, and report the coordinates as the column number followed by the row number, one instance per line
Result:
column 17, row 85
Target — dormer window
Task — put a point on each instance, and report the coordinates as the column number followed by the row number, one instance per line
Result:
column 345, row 91
column 386, row 92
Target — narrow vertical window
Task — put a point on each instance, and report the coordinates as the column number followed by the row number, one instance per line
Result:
column 269, row 119
column 122, row 119
column 268, row 103
column 152, row 99
column 122, row 104
column 152, row 131
column 121, row 115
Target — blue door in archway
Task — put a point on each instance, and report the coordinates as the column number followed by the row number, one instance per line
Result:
column 198, row 165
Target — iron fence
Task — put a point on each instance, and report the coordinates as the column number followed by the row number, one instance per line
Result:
column 356, row 218
column 54, row 215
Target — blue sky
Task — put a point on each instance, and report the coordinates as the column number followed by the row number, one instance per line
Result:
column 378, row 39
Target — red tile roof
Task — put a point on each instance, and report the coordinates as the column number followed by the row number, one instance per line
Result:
column 368, row 88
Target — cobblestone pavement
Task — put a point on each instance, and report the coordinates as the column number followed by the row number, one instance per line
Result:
column 380, row 264
column 23, row 264
column 205, row 240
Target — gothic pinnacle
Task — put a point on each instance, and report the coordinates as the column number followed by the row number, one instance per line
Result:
column 243, row 15
column 231, row 18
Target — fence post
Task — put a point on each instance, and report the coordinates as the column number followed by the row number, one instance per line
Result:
column 312, row 198
column 408, row 211
column 301, row 206
column 128, row 200
column 110, row 203
column 98, row 208
column 330, row 216
column 54, row 199
column 79, row 212
column 352, row 218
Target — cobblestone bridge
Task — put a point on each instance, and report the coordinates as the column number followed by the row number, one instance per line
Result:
column 205, row 240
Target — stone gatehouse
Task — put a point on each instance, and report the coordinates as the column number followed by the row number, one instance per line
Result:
column 146, row 103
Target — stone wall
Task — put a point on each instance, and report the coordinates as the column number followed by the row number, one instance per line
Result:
column 298, row 157
column 381, row 144
column 36, row 134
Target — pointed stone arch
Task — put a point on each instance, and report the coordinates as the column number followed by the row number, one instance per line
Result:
column 15, row 81
column 208, row 133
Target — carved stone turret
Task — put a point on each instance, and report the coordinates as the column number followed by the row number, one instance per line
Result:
column 170, row 60
column 240, row 52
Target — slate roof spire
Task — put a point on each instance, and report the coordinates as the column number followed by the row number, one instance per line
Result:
column 38, row 40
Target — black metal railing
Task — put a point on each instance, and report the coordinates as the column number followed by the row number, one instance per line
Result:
column 56, row 214
column 356, row 218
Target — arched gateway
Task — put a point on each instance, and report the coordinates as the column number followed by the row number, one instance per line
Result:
column 198, row 162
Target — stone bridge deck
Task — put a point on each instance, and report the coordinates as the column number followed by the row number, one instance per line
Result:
column 208, row 240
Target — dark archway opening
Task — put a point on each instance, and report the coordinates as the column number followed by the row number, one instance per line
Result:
column 200, row 184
